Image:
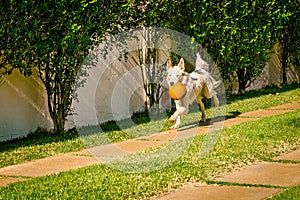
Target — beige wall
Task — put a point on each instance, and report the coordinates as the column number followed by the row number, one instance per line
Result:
column 272, row 74
column 115, row 95
column 119, row 93
column 23, row 106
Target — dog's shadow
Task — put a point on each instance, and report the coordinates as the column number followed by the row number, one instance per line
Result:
column 210, row 121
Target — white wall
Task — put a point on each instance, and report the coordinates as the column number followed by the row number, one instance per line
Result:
column 23, row 106
column 272, row 74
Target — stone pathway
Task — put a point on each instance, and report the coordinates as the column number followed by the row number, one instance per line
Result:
column 265, row 179
column 258, row 175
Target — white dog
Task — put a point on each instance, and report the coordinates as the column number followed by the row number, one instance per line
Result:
column 199, row 84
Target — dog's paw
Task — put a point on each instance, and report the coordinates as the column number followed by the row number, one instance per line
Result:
column 172, row 119
column 175, row 126
column 203, row 123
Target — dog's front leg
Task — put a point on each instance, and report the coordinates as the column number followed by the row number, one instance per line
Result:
column 177, row 123
column 174, row 117
column 180, row 111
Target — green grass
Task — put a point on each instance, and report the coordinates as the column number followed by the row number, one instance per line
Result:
column 292, row 193
column 42, row 144
column 264, row 98
column 237, row 147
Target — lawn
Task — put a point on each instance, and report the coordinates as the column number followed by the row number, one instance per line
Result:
column 42, row 144
column 237, row 147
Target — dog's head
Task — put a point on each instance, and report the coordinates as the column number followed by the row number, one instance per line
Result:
column 175, row 73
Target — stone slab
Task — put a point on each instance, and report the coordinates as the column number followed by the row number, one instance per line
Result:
column 165, row 135
column 276, row 174
column 179, row 134
column 238, row 120
column 138, row 145
column 215, row 192
column 8, row 180
column 191, row 132
column 294, row 155
column 80, row 152
column 133, row 145
column 47, row 166
column 264, row 113
column 112, row 151
column 291, row 106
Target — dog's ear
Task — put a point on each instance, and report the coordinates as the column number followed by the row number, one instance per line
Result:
column 169, row 63
column 181, row 64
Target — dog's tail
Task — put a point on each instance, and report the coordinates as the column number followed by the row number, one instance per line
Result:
column 203, row 65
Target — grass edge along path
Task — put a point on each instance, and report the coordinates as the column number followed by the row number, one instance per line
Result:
column 292, row 193
column 238, row 146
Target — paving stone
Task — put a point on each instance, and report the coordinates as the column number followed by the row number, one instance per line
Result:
column 46, row 166
column 165, row 135
column 138, row 145
column 277, row 174
column 80, row 152
column 179, row 134
column 294, row 155
column 264, row 113
column 8, row 180
column 292, row 106
column 235, row 121
column 192, row 132
column 120, row 148
column 215, row 192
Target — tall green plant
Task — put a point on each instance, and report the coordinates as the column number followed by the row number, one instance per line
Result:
column 286, row 22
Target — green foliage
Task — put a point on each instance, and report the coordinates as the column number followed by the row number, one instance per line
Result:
column 285, row 31
column 237, row 34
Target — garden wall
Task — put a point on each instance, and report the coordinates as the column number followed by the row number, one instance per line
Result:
column 24, row 102
column 272, row 74
column 23, row 106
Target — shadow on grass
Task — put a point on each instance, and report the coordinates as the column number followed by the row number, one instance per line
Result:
column 41, row 136
column 210, row 121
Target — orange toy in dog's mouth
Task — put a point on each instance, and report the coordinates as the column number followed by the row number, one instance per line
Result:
column 177, row 91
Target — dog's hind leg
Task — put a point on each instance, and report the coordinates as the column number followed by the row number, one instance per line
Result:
column 202, row 107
